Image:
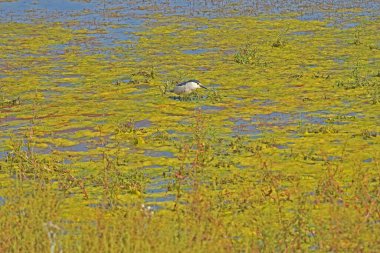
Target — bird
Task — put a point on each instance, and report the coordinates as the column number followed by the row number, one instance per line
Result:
column 187, row 87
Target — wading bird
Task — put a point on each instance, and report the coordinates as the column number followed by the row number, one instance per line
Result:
column 187, row 87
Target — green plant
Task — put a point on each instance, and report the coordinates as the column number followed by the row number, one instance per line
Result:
column 280, row 41
column 357, row 79
column 248, row 54
column 357, row 37
column 166, row 87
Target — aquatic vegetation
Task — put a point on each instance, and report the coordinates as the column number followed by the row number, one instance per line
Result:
column 166, row 87
column 246, row 55
column 280, row 41
column 249, row 55
column 280, row 154
column 8, row 102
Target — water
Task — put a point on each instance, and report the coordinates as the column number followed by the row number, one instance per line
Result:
column 263, row 102
column 65, row 84
column 195, row 51
column 158, row 186
column 303, row 33
column 212, row 108
column 3, row 155
column 2, row 201
column 156, row 153
column 80, row 147
column 245, row 127
column 116, row 11
column 368, row 160
column 73, row 130
column 280, row 119
column 169, row 197
column 143, row 123
column 261, row 123
column 312, row 16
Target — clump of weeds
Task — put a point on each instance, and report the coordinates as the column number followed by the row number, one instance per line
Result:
column 356, row 79
column 214, row 96
column 114, row 181
column 317, row 129
column 127, row 127
column 368, row 134
column 160, row 136
column 25, row 165
column 280, row 40
column 166, row 87
column 10, row 102
column 129, row 130
column 140, row 77
column 248, row 54
column 357, row 37
column 374, row 47
column 195, row 154
column 321, row 75
column 373, row 92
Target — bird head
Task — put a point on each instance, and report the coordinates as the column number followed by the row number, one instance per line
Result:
column 199, row 84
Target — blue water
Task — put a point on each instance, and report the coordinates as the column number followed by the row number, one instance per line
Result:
column 211, row 108
column 312, row 16
column 50, row 5
column 158, row 186
column 169, row 197
column 245, row 127
column 303, row 33
column 195, row 51
column 368, row 160
column 126, row 11
column 155, row 153
column 143, row 123
column 2, row 201
column 286, row 119
column 3, row 154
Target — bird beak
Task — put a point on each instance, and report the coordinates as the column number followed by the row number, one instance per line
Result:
column 202, row 86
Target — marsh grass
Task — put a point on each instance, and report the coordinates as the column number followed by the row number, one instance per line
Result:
column 214, row 95
column 272, row 210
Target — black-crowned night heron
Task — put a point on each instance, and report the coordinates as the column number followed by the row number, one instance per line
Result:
column 187, row 87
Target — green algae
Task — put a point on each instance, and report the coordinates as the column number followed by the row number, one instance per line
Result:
column 292, row 179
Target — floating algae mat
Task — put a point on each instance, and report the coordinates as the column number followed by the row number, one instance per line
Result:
column 281, row 153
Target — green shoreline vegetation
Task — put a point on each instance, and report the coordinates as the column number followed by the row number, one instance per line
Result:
column 281, row 154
